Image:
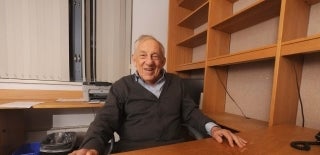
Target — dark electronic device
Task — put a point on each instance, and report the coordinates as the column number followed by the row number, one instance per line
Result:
column 95, row 91
column 305, row 145
column 58, row 143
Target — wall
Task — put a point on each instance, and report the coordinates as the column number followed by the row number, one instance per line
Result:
column 150, row 17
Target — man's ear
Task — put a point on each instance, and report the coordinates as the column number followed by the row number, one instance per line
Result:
column 164, row 61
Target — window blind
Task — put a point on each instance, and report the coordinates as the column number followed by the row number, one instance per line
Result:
column 113, row 39
column 34, row 39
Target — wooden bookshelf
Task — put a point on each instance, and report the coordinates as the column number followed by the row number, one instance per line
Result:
column 195, row 40
column 268, row 52
column 191, row 66
column 301, row 46
column 191, row 4
column 260, row 11
column 196, row 18
column 291, row 21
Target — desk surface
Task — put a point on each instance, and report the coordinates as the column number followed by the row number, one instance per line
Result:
column 272, row 140
column 48, row 97
column 51, row 104
column 69, row 104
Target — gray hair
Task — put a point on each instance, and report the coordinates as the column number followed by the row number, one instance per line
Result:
column 143, row 38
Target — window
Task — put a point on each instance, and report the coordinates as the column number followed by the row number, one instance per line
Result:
column 35, row 44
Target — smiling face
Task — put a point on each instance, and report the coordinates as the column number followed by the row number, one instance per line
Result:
column 148, row 59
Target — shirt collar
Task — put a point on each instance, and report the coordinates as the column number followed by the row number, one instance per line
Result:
column 162, row 78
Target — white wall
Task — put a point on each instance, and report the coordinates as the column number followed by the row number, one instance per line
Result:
column 150, row 17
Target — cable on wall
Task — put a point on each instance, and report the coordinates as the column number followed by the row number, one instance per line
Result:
column 233, row 100
column 299, row 93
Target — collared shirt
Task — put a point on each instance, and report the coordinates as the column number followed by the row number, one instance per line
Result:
column 154, row 89
column 157, row 88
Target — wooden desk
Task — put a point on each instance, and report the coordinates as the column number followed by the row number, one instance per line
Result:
column 274, row 141
column 12, row 124
column 261, row 139
column 56, row 104
column 237, row 122
column 48, row 97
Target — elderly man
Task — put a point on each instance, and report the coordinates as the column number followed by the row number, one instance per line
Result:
column 147, row 108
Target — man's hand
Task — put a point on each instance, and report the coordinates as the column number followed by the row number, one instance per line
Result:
column 84, row 152
column 218, row 133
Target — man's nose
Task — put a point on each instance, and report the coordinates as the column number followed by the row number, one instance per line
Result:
column 149, row 59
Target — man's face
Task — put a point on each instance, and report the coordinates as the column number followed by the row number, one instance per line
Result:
column 149, row 60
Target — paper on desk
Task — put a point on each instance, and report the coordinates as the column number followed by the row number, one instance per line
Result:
column 20, row 104
column 70, row 100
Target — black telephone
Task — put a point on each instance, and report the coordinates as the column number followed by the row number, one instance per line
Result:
column 305, row 145
column 59, row 142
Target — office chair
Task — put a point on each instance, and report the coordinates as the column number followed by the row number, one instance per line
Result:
column 109, row 146
column 194, row 86
column 191, row 131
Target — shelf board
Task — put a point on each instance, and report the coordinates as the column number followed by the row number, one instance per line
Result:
column 258, row 12
column 66, row 105
column 301, row 46
column 196, row 18
column 312, row 2
column 232, row 1
column 195, row 40
column 237, row 122
column 266, row 52
column 191, row 66
column 51, row 104
column 191, row 4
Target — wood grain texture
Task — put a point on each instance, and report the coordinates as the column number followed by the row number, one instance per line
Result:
column 269, row 141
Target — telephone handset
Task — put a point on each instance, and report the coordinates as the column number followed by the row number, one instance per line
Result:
column 58, row 142
column 305, row 145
